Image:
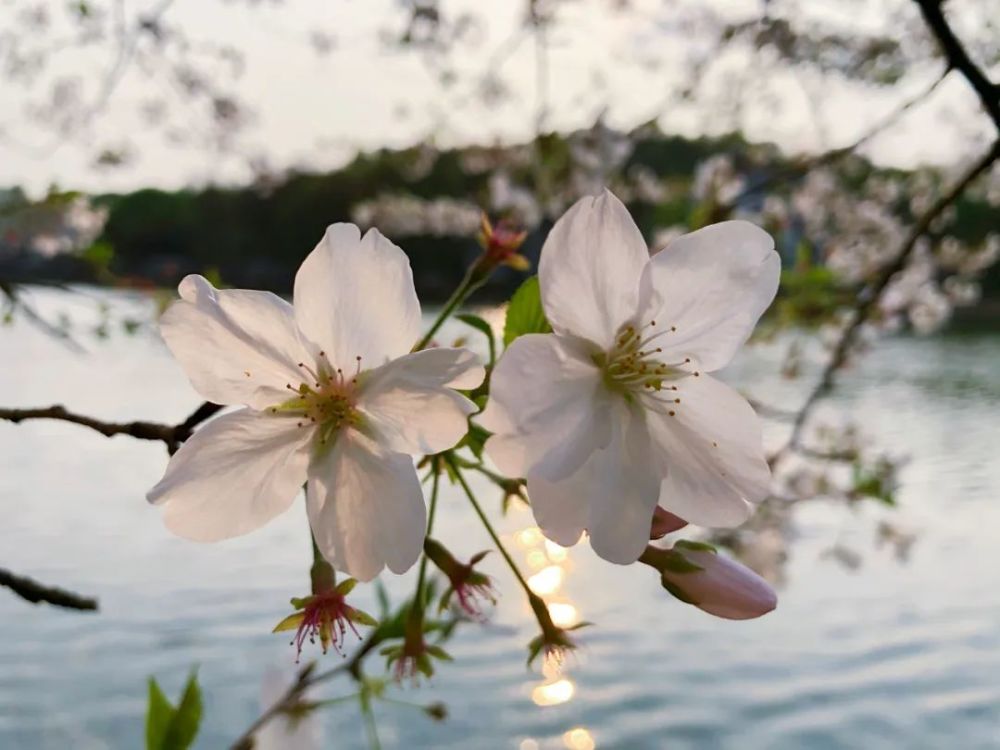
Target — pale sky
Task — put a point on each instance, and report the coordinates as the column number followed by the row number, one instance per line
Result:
column 313, row 111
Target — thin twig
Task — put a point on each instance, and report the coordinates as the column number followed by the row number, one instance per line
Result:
column 803, row 167
column 32, row 591
column 305, row 680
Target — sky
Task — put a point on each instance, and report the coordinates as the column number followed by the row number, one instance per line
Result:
column 312, row 111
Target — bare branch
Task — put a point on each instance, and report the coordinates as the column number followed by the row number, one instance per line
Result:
column 171, row 435
column 958, row 58
column 35, row 592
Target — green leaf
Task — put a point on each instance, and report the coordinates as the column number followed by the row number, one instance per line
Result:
column 382, row 597
column 475, row 439
column 346, row 586
column 158, row 715
column 184, row 724
column 481, row 325
column 525, row 313
column 363, row 618
column 439, row 653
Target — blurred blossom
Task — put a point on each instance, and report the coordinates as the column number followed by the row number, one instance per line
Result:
column 54, row 226
column 299, row 728
column 962, row 292
column 930, row 309
column 716, row 179
column 663, row 236
column 646, row 186
column 513, row 200
column 407, row 216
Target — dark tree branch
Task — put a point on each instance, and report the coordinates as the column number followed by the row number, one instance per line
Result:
column 171, row 435
column 868, row 303
column 958, row 58
column 35, row 592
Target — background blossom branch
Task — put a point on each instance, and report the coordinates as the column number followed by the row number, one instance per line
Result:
column 869, row 302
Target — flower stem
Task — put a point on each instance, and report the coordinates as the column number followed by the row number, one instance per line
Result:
column 418, row 597
column 473, row 279
column 369, row 717
column 537, row 605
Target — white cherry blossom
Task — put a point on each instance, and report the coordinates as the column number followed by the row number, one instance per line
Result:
column 333, row 398
column 615, row 411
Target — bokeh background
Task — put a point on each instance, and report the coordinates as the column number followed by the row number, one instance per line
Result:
column 141, row 141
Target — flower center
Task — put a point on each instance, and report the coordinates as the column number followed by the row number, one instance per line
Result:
column 327, row 400
column 635, row 368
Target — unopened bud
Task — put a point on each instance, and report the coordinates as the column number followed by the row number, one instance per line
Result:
column 501, row 244
column 695, row 573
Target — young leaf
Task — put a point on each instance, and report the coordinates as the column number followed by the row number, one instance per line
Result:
column 158, row 715
column 186, row 719
column 525, row 313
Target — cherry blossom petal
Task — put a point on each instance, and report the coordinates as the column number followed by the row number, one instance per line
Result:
column 613, row 495
column 237, row 346
column 547, row 406
column 713, row 454
column 233, row 475
column 354, row 297
column 366, row 507
column 711, row 286
column 409, row 407
column 590, row 268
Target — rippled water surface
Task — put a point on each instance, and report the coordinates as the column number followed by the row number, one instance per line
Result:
column 891, row 655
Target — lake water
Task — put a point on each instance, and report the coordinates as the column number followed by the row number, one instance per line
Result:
column 891, row 655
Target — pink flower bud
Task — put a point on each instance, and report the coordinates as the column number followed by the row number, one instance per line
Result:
column 696, row 574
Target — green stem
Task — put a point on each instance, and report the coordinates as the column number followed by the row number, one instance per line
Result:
column 537, row 605
column 418, row 598
column 370, row 726
column 472, row 281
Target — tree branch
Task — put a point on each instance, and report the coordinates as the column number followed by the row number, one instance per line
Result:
column 35, row 592
column 171, row 435
column 869, row 302
column 958, row 58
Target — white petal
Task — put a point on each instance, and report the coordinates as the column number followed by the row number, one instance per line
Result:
column 548, row 407
column 713, row 452
column 233, row 475
column 613, row 495
column 626, row 487
column 354, row 297
column 712, row 286
column 408, row 404
column 560, row 508
column 366, row 507
column 237, row 346
column 590, row 268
